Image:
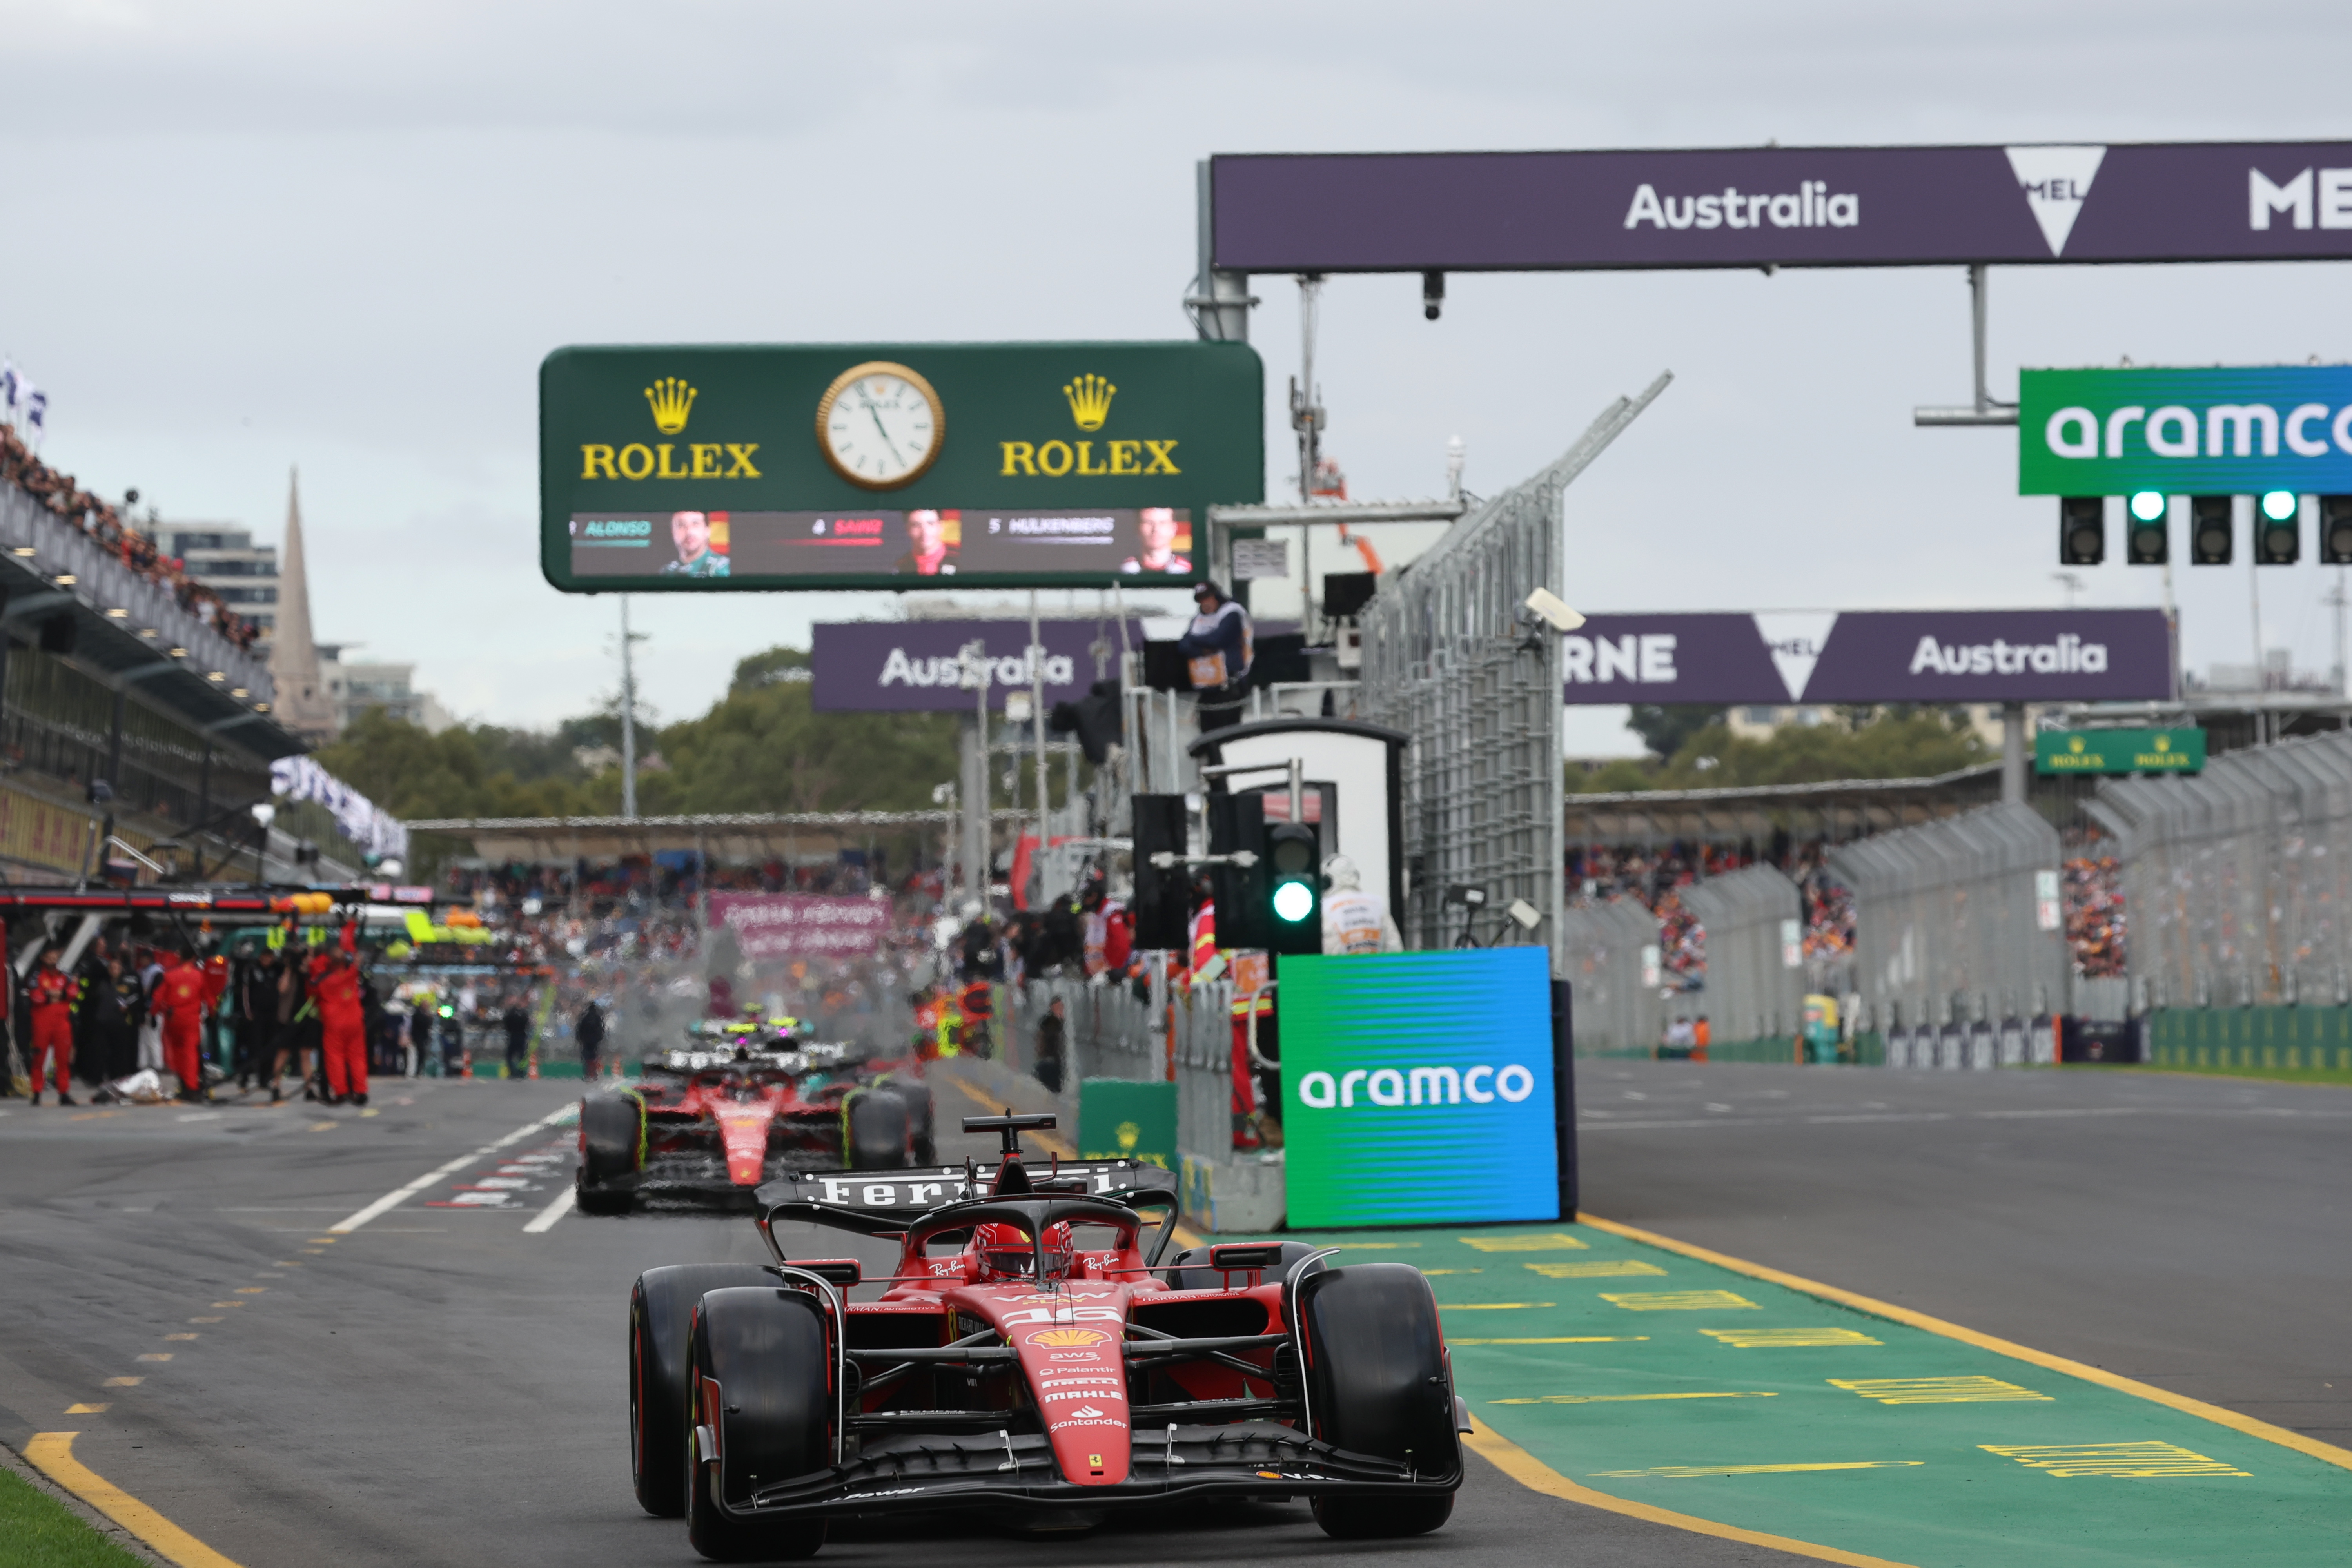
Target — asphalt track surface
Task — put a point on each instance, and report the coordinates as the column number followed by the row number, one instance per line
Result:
column 445, row 1385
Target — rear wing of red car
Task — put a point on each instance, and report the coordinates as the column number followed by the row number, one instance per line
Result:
column 904, row 1195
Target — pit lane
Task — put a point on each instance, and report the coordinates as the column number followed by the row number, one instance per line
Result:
column 442, row 1384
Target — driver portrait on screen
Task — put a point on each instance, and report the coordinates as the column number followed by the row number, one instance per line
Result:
column 690, row 531
column 1156, row 525
column 928, row 554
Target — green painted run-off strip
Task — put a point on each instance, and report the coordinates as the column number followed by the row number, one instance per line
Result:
column 1940, row 1454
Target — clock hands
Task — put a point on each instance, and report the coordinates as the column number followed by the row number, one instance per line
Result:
column 868, row 398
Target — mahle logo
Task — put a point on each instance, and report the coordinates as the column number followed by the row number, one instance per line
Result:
column 1089, row 399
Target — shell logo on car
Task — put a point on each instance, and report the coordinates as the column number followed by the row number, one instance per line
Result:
column 1068, row 1338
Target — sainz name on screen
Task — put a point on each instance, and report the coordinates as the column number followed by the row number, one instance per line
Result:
column 918, row 543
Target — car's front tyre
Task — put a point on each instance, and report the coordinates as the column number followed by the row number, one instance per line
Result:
column 759, row 1411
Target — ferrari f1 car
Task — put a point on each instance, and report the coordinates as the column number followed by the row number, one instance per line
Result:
column 709, row 1124
column 1031, row 1357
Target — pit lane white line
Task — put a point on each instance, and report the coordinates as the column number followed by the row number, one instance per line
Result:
column 544, row 1221
column 393, row 1199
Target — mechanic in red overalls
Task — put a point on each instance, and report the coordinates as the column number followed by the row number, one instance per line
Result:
column 51, row 991
column 342, row 1020
column 182, row 993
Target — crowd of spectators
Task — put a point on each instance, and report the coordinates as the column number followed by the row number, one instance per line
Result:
column 2092, row 886
column 63, row 499
column 1654, row 877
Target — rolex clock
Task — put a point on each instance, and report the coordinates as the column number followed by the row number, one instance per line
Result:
column 880, row 425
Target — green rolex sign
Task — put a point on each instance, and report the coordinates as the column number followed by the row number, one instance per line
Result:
column 2179, row 751
column 892, row 465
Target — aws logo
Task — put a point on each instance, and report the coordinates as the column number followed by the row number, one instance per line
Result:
column 1417, row 1086
column 1089, row 397
column 671, row 402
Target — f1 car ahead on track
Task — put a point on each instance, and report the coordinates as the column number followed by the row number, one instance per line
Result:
column 708, row 1124
column 1007, row 1368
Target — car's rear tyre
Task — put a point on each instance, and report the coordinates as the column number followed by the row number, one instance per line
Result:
column 920, row 1118
column 661, row 1312
column 875, row 1131
column 761, row 1383
column 1377, row 1385
column 612, row 1149
column 1199, row 1276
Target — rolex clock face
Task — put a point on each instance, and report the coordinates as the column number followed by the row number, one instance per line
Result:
column 880, row 425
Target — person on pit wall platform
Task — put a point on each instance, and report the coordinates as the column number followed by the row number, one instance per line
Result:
column 335, row 982
column 1355, row 920
column 1217, row 651
column 51, row 991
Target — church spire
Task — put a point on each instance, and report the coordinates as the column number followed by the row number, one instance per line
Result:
column 303, row 705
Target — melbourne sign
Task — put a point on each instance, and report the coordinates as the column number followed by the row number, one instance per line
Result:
column 2216, row 431
column 1401, row 1105
column 938, row 667
column 1875, row 656
column 2119, row 751
column 891, row 465
column 801, row 925
column 1782, row 206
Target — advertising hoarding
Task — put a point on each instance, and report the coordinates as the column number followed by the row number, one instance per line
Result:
column 1781, row 207
column 1870, row 656
column 801, row 925
column 2180, row 751
column 916, row 667
column 899, row 466
column 1417, row 1088
column 2216, row 430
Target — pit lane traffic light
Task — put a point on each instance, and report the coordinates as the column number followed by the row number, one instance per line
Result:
column 2335, row 530
column 2278, row 528
column 2081, row 530
column 2148, row 532
column 1294, row 901
column 2209, row 530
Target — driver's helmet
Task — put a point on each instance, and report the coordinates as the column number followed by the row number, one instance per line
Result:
column 1005, row 1252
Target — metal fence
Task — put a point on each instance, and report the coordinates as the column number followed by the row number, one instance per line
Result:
column 1609, row 955
column 1113, row 1033
column 1452, row 659
column 1957, row 922
column 1750, row 918
column 2236, row 880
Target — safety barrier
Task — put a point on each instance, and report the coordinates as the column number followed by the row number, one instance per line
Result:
column 1755, row 994
column 2297, row 1040
column 2236, row 879
column 1608, row 953
column 1957, row 923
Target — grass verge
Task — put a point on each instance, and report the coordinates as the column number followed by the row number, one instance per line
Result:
column 2328, row 1076
column 42, row 1532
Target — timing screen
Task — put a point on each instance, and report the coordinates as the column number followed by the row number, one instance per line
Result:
column 947, row 541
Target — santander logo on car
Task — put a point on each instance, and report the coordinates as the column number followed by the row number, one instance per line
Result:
column 1480, row 1085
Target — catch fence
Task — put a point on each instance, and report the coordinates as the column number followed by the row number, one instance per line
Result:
column 1754, row 995
column 1454, row 659
column 1958, row 929
column 2235, row 880
column 1609, row 955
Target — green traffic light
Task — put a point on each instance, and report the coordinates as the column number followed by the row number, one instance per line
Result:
column 1294, row 901
column 2279, row 505
column 2148, row 505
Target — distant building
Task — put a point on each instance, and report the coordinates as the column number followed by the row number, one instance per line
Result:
column 226, row 560
column 354, row 686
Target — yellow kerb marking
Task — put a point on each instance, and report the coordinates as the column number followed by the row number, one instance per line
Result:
column 207, row 1319
column 1676, row 1300
column 1690, row 1472
column 2327, row 1452
column 1554, row 1241
column 1536, row 1476
column 1788, row 1338
column 322, row 1126
column 1559, row 1340
column 1599, row 1268
column 1621, row 1398
column 169, row 1337
column 156, row 1355
column 52, row 1454
column 2138, row 1459
column 88, row 1409
column 1937, row 1390
column 1492, row 1306
column 228, row 1303
column 324, row 1240
column 249, row 1290
column 123, row 1383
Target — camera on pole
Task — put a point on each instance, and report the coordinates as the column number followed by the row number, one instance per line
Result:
column 2081, row 530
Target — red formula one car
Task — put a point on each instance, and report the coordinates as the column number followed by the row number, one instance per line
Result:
column 1009, row 1369
column 708, row 1124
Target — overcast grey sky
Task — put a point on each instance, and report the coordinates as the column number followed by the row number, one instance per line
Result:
column 242, row 237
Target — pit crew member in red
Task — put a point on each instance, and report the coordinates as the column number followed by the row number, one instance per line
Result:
column 183, row 994
column 335, row 984
column 51, row 991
